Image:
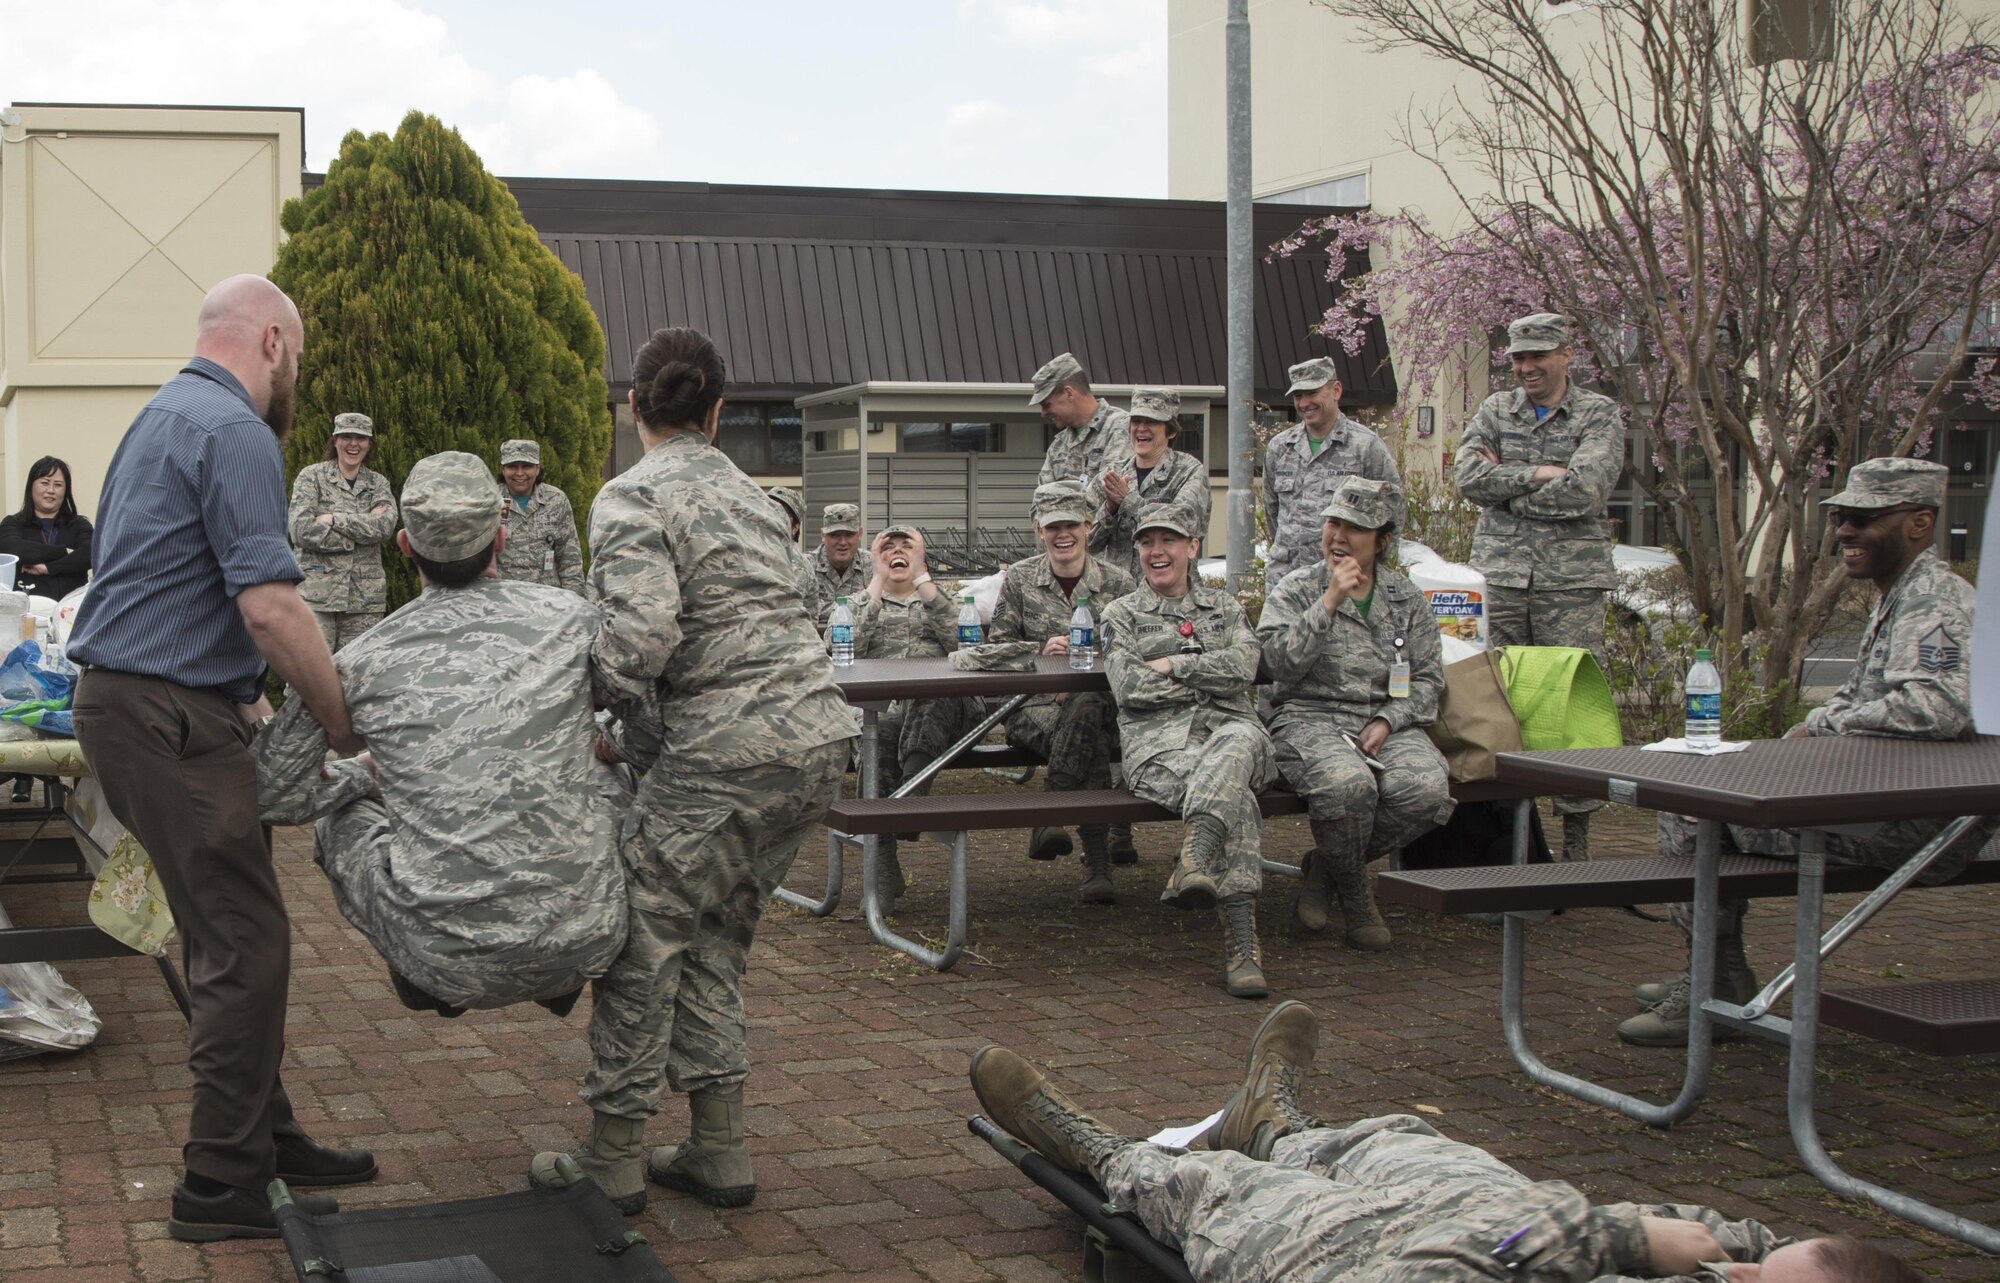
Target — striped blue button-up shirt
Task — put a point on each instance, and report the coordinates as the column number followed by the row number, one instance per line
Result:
column 193, row 512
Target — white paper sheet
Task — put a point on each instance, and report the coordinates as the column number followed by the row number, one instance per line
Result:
column 1699, row 750
column 1182, row 1137
column 1986, row 636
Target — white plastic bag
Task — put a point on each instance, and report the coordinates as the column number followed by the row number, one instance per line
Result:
column 39, row 1011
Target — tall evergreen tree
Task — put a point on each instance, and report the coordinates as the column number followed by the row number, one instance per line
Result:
column 430, row 307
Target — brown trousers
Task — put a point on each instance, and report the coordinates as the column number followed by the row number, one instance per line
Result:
column 176, row 770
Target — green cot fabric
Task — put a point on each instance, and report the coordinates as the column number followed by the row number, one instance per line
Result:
column 1561, row 697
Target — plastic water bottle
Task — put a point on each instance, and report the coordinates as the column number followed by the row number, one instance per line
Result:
column 1704, row 701
column 840, row 631
column 970, row 633
column 1082, row 637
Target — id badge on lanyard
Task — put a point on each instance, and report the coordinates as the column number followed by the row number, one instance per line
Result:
column 1399, row 674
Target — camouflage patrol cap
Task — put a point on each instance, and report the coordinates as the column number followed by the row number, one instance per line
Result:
column 1891, row 483
column 836, row 518
column 518, row 451
column 1162, row 405
column 353, row 424
column 1541, row 332
column 1166, row 516
column 1363, row 502
column 788, row 499
column 1309, row 375
column 1053, row 375
column 451, row 506
column 1061, row 501
column 907, row 532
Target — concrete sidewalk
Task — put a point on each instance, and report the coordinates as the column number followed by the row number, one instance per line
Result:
column 858, row 1104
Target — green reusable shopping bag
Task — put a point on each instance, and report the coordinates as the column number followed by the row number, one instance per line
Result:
column 1561, row 697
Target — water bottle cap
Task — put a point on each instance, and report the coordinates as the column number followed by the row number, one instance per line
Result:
column 1701, row 656
column 841, row 599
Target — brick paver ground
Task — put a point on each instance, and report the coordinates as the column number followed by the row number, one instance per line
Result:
column 857, row 1108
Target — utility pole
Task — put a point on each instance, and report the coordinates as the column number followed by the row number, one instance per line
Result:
column 1242, row 512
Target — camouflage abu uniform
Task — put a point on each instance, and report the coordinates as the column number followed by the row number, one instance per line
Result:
column 1083, row 454
column 1912, row 680
column 1074, row 735
column 1331, row 674
column 1545, row 548
column 802, row 569
column 1192, row 741
column 702, row 628
column 542, row 547
column 1179, row 479
column 1389, row 1200
column 829, row 585
column 488, row 870
column 1298, row 483
column 344, row 582
column 912, row 733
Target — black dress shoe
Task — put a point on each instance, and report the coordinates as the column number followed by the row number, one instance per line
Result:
column 304, row 1161
column 234, row 1213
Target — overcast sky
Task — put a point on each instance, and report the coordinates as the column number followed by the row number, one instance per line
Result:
column 1064, row 96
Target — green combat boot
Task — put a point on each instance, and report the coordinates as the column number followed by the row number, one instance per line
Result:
column 712, row 1164
column 1242, row 956
column 1365, row 929
column 1021, row 1101
column 1665, row 1023
column 1190, row 886
column 1265, row 1106
column 1049, row 842
column 1096, row 887
column 1576, row 837
column 612, row 1156
column 1122, row 849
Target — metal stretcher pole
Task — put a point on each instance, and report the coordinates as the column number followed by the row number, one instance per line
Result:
column 1858, row 916
column 1802, row 1083
column 1701, row 984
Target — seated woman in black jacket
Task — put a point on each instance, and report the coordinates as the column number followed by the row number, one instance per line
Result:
column 53, row 542
column 48, row 534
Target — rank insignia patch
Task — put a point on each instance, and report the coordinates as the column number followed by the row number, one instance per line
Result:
column 1938, row 652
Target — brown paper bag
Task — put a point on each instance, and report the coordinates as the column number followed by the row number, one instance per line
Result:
column 1474, row 721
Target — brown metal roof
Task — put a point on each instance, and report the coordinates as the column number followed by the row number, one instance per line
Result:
column 808, row 289
column 793, row 316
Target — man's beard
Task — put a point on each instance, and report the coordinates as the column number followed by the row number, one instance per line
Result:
column 284, row 407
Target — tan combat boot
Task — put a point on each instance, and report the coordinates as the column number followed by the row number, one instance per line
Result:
column 1242, row 956
column 1123, row 851
column 1021, row 1101
column 712, row 1164
column 1365, row 929
column 613, row 1156
column 1665, row 1023
column 1190, row 885
column 1265, row 1106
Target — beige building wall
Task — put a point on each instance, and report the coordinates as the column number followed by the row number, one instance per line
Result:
column 114, row 221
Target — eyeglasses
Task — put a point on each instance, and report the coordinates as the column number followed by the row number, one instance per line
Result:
column 1862, row 518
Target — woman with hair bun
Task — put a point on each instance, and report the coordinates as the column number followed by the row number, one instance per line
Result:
column 705, row 645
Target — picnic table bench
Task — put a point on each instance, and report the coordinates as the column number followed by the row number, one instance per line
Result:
column 1807, row 784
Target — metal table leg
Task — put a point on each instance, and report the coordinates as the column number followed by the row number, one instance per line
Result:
column 1701, row 981
column 1801, row 1084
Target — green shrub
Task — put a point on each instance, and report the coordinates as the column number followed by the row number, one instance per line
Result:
column 430, row 307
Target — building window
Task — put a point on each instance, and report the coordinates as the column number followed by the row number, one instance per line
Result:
column 1348, row 189
column 760, row 436
column 943, row 438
